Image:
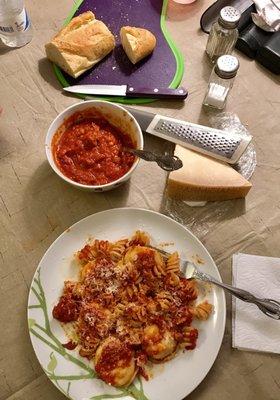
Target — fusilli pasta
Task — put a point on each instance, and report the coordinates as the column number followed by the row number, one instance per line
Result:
column 131, row 302
column 173, row 263
column 202, row 311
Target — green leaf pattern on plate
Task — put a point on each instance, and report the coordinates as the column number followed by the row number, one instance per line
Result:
column 52, row 364
column 45, row 335
column 31, row 322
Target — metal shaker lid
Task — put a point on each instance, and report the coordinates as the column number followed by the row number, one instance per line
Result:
column 229, row 17
column 227, row 66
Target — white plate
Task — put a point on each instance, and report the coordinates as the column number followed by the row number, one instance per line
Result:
column 173, row 380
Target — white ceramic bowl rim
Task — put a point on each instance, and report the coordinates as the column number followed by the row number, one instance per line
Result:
column 50, row 135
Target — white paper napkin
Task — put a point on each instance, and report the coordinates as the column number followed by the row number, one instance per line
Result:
column 251, row 329
column 268, row 15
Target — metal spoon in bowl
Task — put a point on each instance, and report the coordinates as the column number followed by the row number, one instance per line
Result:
column 165, row 161
column 269, row 307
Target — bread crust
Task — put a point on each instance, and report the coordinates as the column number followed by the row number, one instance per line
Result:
column 138, row 43
column 81, row 44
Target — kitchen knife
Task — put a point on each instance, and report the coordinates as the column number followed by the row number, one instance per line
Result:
column 129, row 91
column 225, row 146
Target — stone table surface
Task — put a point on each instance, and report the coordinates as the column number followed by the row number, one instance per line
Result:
column 36, row 206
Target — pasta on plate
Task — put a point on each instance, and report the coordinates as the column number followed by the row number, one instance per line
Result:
column 129, row 306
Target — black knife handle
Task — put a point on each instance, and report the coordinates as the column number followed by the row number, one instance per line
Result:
column 157, row 93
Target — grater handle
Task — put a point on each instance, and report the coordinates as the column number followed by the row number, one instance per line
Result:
column 144, row 118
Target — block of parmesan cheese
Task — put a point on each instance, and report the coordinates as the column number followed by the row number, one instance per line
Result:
column 203, row 178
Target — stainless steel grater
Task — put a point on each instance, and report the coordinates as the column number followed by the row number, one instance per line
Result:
column 216, row 143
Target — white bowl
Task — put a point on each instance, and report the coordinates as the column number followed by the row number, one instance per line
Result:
column 113, row 113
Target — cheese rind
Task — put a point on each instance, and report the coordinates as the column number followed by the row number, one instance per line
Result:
column 203, row 178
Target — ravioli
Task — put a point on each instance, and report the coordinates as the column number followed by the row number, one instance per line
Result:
column 115, row 363
column 130, row 305
column 159, row 346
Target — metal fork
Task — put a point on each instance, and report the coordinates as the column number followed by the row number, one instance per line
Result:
column 269, row 307
column 167, row 162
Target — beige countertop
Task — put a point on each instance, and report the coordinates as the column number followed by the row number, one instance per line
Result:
column 36, row 206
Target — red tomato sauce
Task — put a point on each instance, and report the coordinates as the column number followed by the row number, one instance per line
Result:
column 70, row 345
column 67, row 309
column 91, row 151
column 114, row 355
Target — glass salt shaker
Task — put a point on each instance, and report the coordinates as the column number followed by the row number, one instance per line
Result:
column 223, row 34
column 221, row 81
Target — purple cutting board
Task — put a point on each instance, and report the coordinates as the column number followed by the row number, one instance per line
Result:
column 158, row 69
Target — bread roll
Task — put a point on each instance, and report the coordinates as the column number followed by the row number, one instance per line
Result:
column 137, row 42
column 80, row 45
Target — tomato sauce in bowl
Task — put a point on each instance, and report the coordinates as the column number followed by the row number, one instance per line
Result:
column 89, row 150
